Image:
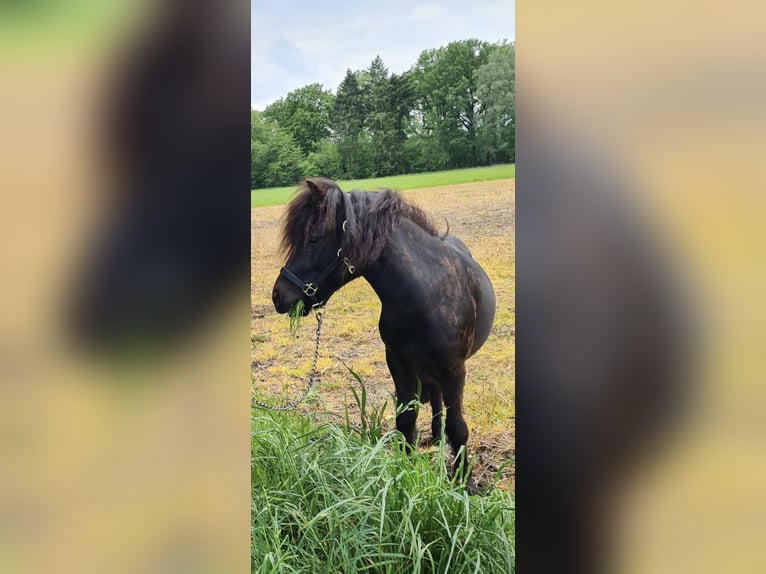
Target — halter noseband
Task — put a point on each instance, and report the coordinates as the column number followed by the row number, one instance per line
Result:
column 310, row 289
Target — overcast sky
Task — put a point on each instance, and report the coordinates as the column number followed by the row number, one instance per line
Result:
column 299, row 42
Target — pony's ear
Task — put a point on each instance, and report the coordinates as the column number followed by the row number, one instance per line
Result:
column 317, row 186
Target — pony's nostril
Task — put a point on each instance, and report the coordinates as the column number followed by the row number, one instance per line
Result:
column 275, row 297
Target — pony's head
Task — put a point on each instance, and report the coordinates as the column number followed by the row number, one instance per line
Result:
column 312, row 241
column 330, row 237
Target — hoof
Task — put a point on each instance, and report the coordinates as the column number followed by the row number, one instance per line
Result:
column 429, row 441
column 474, row 489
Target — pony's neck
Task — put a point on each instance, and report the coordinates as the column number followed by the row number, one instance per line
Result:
column 399, row 266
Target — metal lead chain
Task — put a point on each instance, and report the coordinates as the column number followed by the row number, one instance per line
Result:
column 313, row 379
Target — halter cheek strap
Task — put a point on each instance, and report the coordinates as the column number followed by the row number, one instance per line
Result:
column 310, row 289
column 307, row 288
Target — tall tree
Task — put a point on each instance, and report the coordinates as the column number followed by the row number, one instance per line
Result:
column 454, row 108
column 447, row 99
column 348, row 118
column 401, row 98
column 379, row 118
column 496, row 88
column 349, row 109
column 388, row 101
column 305, row 114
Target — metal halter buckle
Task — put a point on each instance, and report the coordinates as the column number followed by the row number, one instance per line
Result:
column 310, row 290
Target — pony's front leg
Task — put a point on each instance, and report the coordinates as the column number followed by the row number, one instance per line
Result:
column 455, row 426
column 404, row 382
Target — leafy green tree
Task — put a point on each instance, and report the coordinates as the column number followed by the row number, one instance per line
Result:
column 274, row 156
column 378, row 119
column 448, row 105
column 496, row 88
column 423, row 153
column 348, row 120
column 349, row 109
column 325, row 162
column 388, row 104
column 401, row 91
column 454, row 108
column 305, row 114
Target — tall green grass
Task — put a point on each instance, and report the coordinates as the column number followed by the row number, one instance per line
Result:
column 281, row 195
column 327, row 499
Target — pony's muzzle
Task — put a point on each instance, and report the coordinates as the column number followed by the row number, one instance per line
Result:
column 279, row 305
column 285, row 297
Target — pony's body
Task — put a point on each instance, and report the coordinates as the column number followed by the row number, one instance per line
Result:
column 437, row 310
column 437, row 303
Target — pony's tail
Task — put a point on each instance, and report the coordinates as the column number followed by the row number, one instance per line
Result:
column 446, row 233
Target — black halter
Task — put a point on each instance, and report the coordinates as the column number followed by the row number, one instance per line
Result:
column 310, row 289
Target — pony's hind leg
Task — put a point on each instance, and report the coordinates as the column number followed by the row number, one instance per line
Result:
column 405, row 384
column 455, row 426
column 436, row 410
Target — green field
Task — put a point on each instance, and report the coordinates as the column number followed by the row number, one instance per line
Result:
column 281, row 195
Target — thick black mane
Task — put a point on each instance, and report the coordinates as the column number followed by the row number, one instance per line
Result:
column 370, row 218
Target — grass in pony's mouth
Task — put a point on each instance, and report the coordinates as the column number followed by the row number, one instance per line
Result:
column 296, row 312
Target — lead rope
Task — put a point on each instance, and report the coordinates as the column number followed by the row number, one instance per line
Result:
column 312, row 380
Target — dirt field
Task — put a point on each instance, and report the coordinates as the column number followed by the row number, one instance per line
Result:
column 483, row 216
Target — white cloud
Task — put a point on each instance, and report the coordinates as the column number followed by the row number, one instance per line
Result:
column 425, row 12
column 300, row 42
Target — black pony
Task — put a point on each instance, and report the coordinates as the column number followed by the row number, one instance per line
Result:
column 437, row 303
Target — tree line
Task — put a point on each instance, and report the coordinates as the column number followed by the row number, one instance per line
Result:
column 454, row 108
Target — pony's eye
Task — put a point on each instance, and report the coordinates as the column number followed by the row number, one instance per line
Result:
column 313, row 240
